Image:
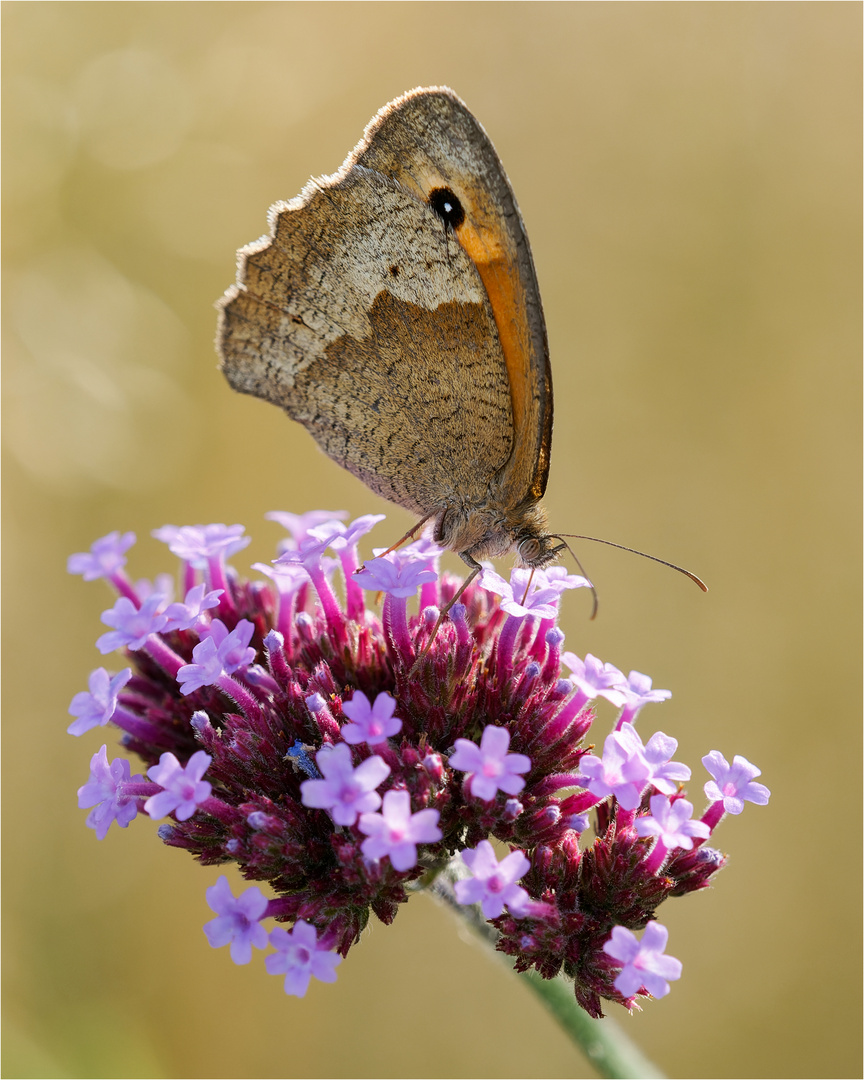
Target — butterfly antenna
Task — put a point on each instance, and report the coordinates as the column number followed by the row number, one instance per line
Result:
column 594, row 595
column 633, row 551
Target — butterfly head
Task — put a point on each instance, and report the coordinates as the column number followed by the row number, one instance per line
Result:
column 537, row 550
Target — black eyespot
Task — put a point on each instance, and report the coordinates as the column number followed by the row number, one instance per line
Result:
column 394, row 271
column 447, row 207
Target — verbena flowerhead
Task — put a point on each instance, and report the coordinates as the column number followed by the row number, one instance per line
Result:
column 347, row 755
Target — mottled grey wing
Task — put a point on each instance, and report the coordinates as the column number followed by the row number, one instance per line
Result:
column 364, row 319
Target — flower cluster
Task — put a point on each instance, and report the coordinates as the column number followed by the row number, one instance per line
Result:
column 347, row 757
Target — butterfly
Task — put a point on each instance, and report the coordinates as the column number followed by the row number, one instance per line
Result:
column 394, row 311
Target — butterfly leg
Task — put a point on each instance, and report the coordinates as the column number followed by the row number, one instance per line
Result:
column 410, row 535
column 475, row 570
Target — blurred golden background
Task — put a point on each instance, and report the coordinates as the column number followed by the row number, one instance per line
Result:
column 689, row 177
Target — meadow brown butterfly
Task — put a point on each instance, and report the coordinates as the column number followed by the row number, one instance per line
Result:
column 394, row 311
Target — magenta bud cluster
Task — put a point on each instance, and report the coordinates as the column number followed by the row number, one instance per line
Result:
column 344, row 748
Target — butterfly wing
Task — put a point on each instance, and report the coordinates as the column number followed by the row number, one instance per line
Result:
column 399, row 348
column 428, row 140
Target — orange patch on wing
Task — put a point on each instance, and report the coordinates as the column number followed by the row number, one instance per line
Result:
column 501, row 281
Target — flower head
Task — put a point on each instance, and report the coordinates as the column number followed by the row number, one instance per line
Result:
column 299, row 694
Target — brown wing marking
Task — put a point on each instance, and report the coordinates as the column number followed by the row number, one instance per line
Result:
column 428, row 139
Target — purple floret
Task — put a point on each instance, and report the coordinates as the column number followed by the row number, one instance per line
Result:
column 237, row 920
column 95, row 707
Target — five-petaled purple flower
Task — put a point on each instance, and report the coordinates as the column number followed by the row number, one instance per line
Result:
column 233, row 648
column 622, row 771
column 307, row 553
column 670, row 822
column 345, row 791
column 560, row 580
column 183, row 616
column 370, row 724
column 300, row 524
column 627, row 767
column 197, row 544
column 238, row 920
column 492, row 769
column 300, row 957
column 96, row 706
column 733, row 783
column 526, row 593
column 205, row 669
column 184, row 790
column 219, row 653
column 644, row 962
column 665, row 773
column 341, row 536
column 396, row 832
column 637, row 692
column 106, row 556
column 104, row 792
column 493, row 884
column 132, row 625
column 594, row 678
column 399, row 577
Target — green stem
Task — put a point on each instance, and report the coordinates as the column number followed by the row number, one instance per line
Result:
column 608, row 1049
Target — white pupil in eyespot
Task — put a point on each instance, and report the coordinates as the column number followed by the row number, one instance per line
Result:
column 448, row 208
